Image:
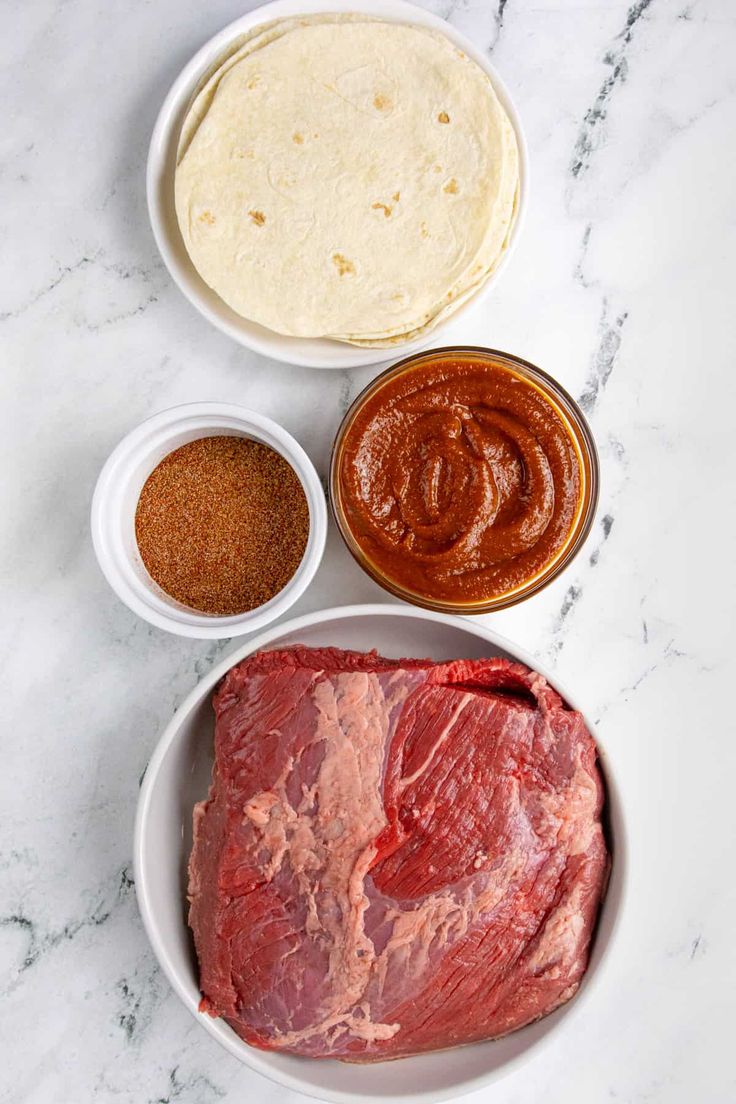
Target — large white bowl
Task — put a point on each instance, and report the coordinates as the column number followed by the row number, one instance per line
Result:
column 312, row 352
column 179, row 774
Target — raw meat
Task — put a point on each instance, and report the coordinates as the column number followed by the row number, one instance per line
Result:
column 395, row 856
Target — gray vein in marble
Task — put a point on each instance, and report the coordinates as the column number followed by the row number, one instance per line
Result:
column 574, row 593
column 41, row 943
column 18, row 856
column 204, row 663
column 618, row 451
column 500, row 12
column 568, row 602
column 693, row 946
column 668, row 654
column 604, row 358
column 115, row 318
column 606, row 526
column 178, row 1085
column 63, row 273
column 145, row 274
column 343, row 400
column 609, row 337
column 616, row 59
column 127, row 1019
column 671, row 652
column 579, row 270
column 643, row 677
column 140, row 996
column 448, row 11
column 108, row 197
column 572, row 596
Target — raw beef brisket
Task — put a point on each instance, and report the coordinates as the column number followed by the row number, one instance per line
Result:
column 394, row 856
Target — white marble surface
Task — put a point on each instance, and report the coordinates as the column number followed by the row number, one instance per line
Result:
column 622, row 287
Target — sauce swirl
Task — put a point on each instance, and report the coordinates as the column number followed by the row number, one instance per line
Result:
column 460, row 479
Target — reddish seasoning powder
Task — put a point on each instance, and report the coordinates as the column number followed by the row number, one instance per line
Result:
column 222, row 524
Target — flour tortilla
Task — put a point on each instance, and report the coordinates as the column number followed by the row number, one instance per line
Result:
column 345, row 177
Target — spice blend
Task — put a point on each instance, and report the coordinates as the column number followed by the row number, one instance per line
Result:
column 222, row 524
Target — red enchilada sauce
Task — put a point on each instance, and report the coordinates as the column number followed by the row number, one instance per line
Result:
column 459, row 480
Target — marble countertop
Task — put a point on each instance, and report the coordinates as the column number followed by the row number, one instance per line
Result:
column 622, row 287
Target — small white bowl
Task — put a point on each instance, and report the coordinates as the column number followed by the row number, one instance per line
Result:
column 312, row 352
column 116, row 497
column 178, row 775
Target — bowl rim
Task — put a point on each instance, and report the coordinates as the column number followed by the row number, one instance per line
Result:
column 143, row 598
column 585, row 442
column 307, row 352
column 613, row 904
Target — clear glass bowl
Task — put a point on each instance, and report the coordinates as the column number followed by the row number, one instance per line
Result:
column 578, row 431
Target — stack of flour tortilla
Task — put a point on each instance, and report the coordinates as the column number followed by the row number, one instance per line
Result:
column 345, row 177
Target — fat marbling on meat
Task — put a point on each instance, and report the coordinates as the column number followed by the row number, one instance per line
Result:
column 394, row 856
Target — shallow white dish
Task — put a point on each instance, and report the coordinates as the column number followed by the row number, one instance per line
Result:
column 178, row 774
column 312, row 352
column 116, row 496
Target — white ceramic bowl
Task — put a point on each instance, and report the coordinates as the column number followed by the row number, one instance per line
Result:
column 312, row 352
column 178, row 774
column 116, row 497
